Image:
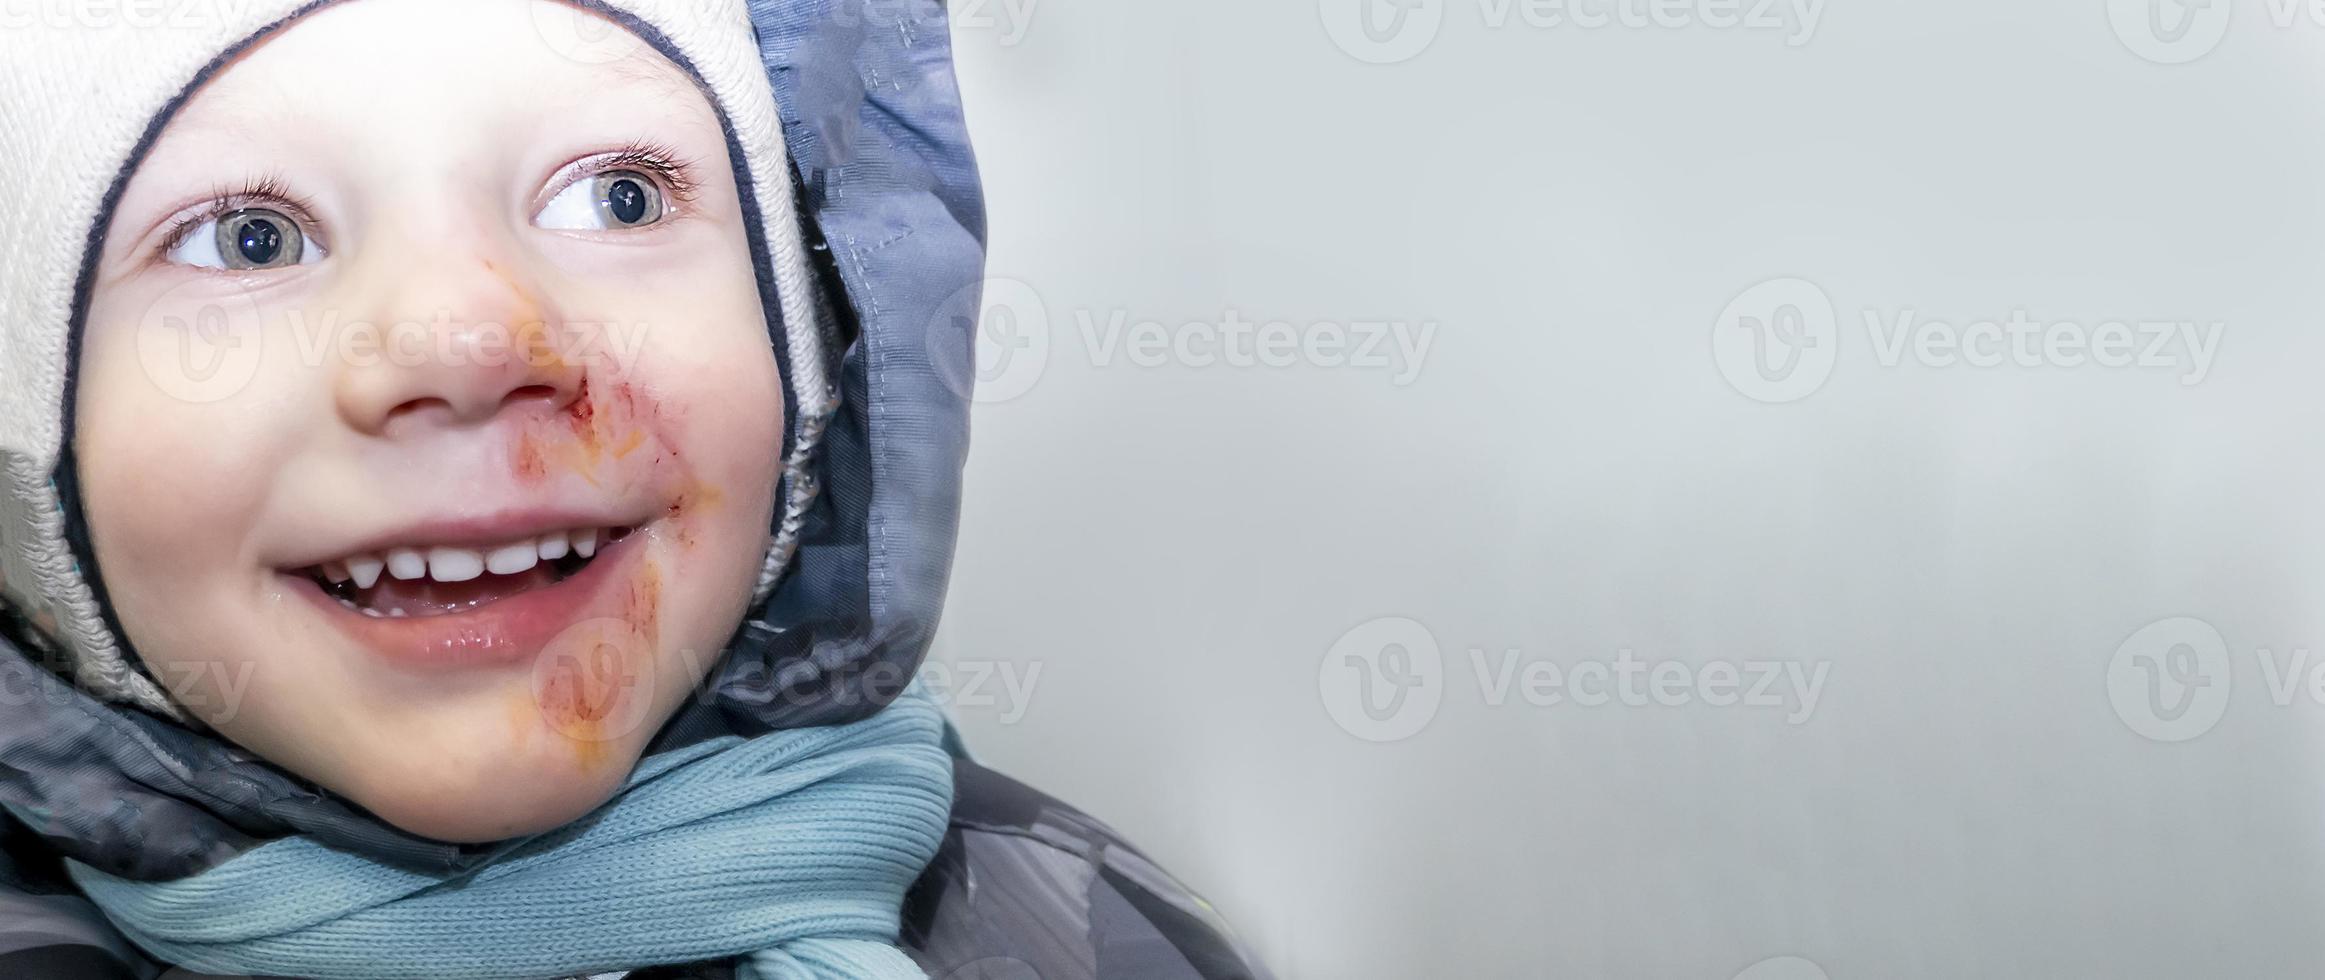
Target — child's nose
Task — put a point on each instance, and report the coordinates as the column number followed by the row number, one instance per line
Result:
column 461, row 347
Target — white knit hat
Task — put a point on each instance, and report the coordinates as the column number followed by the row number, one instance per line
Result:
column 83, row 91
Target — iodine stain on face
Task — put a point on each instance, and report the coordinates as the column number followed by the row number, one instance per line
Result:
column 528, row 461
column 602, row 420
column 594, row 686
column 605, row 422
column 697, row 498
column 529, row 330
column 642, row 606
column 587, row 690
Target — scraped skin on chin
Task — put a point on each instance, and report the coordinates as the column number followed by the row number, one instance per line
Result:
column 636, row 396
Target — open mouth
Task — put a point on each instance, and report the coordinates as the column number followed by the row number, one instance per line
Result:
column 440, row 580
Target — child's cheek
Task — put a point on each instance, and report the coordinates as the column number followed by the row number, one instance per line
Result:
column 593, row 685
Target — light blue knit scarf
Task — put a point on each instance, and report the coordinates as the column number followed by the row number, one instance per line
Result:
column 791, row 850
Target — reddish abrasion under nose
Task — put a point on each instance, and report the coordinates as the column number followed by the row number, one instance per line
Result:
column 608, row 422
column 528, row 462
column 603, row 422
column 599, row 421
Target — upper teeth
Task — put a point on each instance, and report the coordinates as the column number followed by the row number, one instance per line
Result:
column 445, row 564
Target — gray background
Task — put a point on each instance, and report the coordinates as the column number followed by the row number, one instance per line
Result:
column 1969, row 551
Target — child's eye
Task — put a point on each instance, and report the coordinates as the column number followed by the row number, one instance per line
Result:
column 245, row 239
column 608, row 201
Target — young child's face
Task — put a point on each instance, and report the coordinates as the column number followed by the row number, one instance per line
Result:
column 470, row 305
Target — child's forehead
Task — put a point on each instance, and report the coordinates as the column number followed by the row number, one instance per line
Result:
column 374, row 49
column 399, row 80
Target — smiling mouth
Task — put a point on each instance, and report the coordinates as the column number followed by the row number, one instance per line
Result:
column 417, row 582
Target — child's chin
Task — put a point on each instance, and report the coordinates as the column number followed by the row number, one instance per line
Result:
column 492, row 804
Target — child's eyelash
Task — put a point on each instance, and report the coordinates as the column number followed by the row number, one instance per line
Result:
column 656, row 160
column 268, row 191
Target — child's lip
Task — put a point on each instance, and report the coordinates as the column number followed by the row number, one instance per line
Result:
column 510, row 630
